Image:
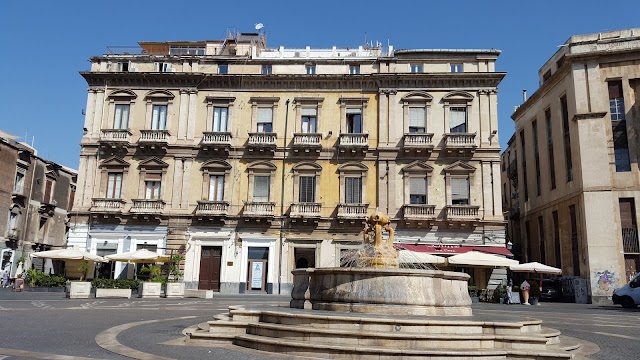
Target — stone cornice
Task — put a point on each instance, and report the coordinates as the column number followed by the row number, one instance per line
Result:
column 370, row 83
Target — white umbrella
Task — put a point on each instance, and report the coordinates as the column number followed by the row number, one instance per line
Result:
column 68, row 254
column 414, row 257
column 477, row 258
column 139, row 256
column 536, row 267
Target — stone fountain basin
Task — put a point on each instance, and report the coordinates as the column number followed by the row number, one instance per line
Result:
column 382, row 291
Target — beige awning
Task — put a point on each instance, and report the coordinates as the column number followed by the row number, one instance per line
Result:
column 536, row 267
column 139, row 256
column 68, row 254
column 476, row 258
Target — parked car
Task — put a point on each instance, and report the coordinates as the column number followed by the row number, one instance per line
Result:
column 629, row 295
column 551, row 290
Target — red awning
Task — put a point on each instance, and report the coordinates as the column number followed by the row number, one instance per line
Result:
column 453, row 249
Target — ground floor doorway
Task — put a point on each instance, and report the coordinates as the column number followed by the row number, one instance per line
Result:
column 257, row 265
column 210, row 263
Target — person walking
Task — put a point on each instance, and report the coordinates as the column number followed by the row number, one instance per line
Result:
column 4, row 275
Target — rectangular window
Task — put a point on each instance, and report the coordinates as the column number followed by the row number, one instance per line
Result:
column 114, row 185
column 47, row 191
column 163, row 67
column 354, row 121
column 543, row 255
column 616, row 101
column 72, row 198
column 460, row 191
column 552, row 161
column 525, row 183
column 220, row 116
column 458, row 119
column 265, row 120
column 556, row 240
column 567, row 138
column 123, row 66
column 19, row 184
column 311, row 69
column 309, row 120
column 261, row 188
column 536, row 155
column 353, row 190
column 619, row 127
column 417, row 120
column 216, row 188
column 307, row 189
column 456, row 68
column 418, row 191
column 223, row 69
column 159, row 117
column 628, row 224
column 121, row 118
column 416, row 68
column 267, row 69
column 527, row 229
column 546, row 76
column 354, row 69
column 575, row 250
column 152, row 186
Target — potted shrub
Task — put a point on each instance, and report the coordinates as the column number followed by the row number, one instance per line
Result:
column 534, row 292
column 40, row 281
column 114, row 288
column 473, row 293
column 153, row 287
column 80, row 289
column 174, row 288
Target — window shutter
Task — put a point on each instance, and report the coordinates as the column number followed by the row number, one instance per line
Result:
column 416, row 117
column 261, row 188
column 417, row 186
column 307, row 189
column 265, row 115
column 458, row 117
column 216, row 188
column 459, row 189
column 47, row 191
column 117, row 186
column 354, row 111
column 353, row 190
column 309, row 112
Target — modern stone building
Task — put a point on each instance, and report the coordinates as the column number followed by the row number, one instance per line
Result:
column 253, row 160
column 36, row 196
column 576, row 150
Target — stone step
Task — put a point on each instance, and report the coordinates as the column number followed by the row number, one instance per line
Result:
column 301, row 348
column 224, row 326
column 202, row 337
column 402, row 340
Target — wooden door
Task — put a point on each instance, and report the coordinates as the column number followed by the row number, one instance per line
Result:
column 210, row 261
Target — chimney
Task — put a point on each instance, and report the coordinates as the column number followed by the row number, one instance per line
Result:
column 524, row 95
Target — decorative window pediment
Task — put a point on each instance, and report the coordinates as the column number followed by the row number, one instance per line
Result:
column 417, row 167
column 114, row 162
column 264, row 100
column 459, row 167
column 216, row 166
column 354, row 101
column 307, row 167
column 226, row 100
column 159, row 95
column 262, row 166
column 153, row 163
column 417, row 97
column 122, row 94
column 353, row 167
column 458, row 97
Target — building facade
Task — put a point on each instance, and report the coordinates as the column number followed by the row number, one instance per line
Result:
column 576, row 150
column 36, row 196
column 253, row 161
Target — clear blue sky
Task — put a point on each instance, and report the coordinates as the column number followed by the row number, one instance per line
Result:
column 46, row 43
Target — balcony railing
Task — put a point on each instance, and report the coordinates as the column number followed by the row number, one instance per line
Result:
column 304, row 210
column 212, row 208
column 463, row 212
column 259, row 208
column 262, row 139
column 107, row 205
column 154, row 136
column 419, row 212
column 18, row 189
column 418, row 140
column 147, row 206
column 352, row 211
column 307, row 140
column 630, row 240
column 354, row 140
column 460, row 140
column 216, row 138
column 115, row 136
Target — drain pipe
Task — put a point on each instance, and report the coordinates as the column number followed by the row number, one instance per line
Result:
column 282, row 217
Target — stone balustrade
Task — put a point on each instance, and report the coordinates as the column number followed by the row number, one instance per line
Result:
column 311, row 140
column 302, row 210
column 354, row 140
column 463, row 212
column 259, row 208
column 212, row 208
column 418, row 140
column 419, row 212
column 464, row 140
column 147, row 206
column 262, row 139
column 106, row 205
column 115, row 136
column 216, row 138
column 352, row 211
column 154, row 136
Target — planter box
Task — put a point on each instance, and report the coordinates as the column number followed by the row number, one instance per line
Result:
column 174, row 290
column 200, row 294
column 113, row 293
column 47, row 289
column 149, row 290
column 78, row 290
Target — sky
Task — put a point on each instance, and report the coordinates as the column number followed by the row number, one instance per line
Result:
column 44, row 44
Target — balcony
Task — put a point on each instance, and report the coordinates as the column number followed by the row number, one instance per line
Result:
column 463, row 213
column 259, row 209
column 109, row 206
column 419, row 212
column 13, row 234
column 154, row 138
column 212, row 208
column 305, row 210
column 18, row 192
column 307, row 142
column 460, row 142
column 512, row 170
column 418, row 142
column 262, row 141
column 352, row 211
column 147, row 207
column 115, row 138
column 353, row 142
column 216, row 140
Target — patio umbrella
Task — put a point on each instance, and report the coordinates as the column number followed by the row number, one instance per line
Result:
column 413, row 257
column 536, row 267
column 477, row 258
column 68, row 254
column 139, row 256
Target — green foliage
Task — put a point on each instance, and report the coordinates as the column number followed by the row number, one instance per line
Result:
column 115, row 284
column 154, row 272
column 83, row 268
column 174, row 268
column 38, row 278
column 473, row 291
column 499, row 292
column 534, row 291
column 21, row 259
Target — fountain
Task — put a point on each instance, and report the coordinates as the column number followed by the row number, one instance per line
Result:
column 376, row 309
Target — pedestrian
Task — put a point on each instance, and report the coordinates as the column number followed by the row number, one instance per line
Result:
column 5, row 277
column 510, row 292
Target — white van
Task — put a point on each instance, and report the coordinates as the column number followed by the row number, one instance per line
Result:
column 629, row 295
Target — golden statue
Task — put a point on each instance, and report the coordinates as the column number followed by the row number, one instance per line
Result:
column 383, row 254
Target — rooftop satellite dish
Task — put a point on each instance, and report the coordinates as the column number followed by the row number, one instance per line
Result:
column 259, row 26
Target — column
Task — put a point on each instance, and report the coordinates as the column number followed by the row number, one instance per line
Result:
column 97, row 118
column 182, row 115
column 497, row 190
column 186, row 175
column 191, row 120
column 383, row 120
column 81, row 184
column 89, row 112
column 483, row 118
column 178, row 169
column 487, row 190
column 90, row 170
column 493, row 117
column 393, row 118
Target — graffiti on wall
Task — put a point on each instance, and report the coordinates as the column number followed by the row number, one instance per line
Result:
column 605, row 281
